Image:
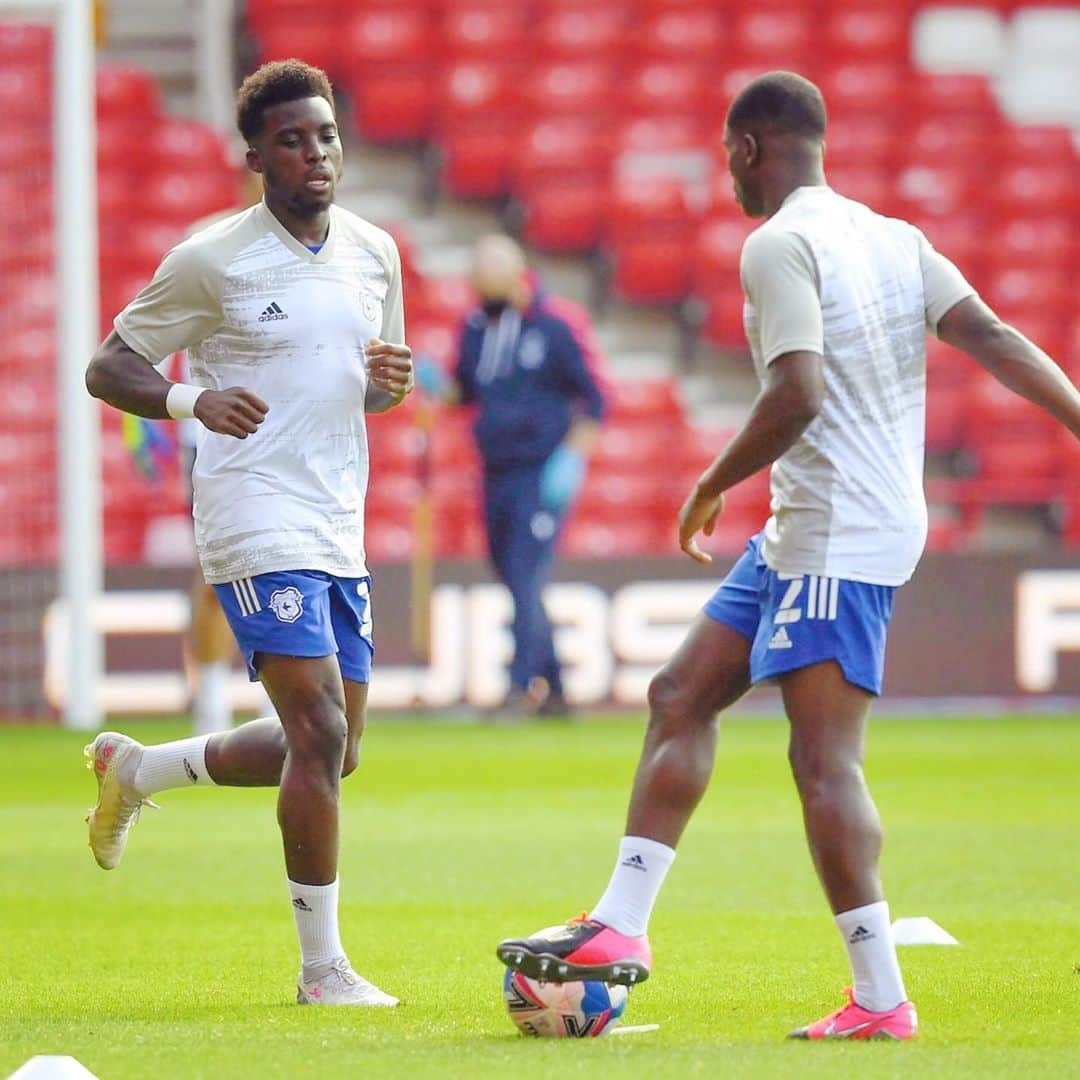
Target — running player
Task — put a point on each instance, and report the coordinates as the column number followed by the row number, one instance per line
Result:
column 838, row 300
column 292, row 314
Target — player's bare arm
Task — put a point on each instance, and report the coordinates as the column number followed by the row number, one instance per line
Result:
column 1019, row 364
column 126, row 380
column 788, row 403
column 390, row 375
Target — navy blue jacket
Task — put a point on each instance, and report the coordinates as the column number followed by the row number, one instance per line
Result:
column 527, row 376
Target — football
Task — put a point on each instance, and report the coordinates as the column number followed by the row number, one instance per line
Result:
column 569, row 1010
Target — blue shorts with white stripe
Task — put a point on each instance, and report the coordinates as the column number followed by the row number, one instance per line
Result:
column 795, row 620
column 302, row 613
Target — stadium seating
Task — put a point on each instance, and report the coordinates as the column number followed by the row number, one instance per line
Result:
column 601, row 124
column 146, row 200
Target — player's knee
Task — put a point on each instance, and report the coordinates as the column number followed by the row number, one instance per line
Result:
column 820, row 774
column 667, row 699
column 318, row 734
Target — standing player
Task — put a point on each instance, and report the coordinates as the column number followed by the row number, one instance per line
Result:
column 838, row 300
column 292, row 314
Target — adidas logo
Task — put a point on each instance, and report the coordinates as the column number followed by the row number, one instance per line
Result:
column 300, row 903
column 635, row 862
column 192, row 775
column 272, row 314
column 780, row 639
column 860, row 933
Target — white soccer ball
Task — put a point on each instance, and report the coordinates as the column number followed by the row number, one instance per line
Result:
column 569, row 1010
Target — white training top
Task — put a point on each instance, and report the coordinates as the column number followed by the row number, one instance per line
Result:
column 257, row 309
column 826, row 274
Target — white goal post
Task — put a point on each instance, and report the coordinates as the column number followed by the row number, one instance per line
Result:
column 76, row 236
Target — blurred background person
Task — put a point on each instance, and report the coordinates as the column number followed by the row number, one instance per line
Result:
column 538, row 408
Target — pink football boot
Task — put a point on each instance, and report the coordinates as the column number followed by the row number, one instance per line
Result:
column 579, row 950
column 854, row 1022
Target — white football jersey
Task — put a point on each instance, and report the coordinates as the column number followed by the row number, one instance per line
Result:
column 256, row 308
column 826, row 274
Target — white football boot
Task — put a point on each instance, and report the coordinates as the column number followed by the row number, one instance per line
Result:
column 338, row 984
column 114, row 759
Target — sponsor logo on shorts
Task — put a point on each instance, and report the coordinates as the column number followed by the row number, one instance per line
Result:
column 287, row 604
column 780, row 639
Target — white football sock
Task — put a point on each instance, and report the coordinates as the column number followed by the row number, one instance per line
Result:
column 635, row 884
column 212, row 705
column 172, row 765
column 867, row 934
column 315, row 910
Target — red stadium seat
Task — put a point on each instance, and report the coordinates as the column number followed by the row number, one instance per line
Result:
column 1034, row 241
column 394, row 105
column 27, row 43
column 443, row 300
column 861, row 140
column 388, row 36
column 642, row 400
column 686, row 36
column 873, row 186
column 315, row 38
column 565, row 215
column 180, row 144
column 960, row 237
column 873, row 32
column 934, row 186
column 184, row 197
column 484, row 30
column 656, row 89
column 474, row 91
column 963, row 96
column 1021, row 144
column 1045, row 289
column 879, row 89
column 476, row 162
column 648, row 202
column 779, row 36
column 937, row 139
column 723, row 324
column 1034, row 188
column 554, row 149
column 651, row 269
column 25, row 91
column 581, row 31
column 126, row 91
column 576, row 89
column 661, row 134
column 717, row 252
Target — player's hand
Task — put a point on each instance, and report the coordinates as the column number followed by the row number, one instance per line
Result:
column 698, row 514
column 236, row 411
column 389, row 367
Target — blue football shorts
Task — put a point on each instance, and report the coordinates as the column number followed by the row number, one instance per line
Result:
column 302, row 613
column 795, row 620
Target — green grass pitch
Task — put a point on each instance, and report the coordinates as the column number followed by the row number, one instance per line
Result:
column 181, row 962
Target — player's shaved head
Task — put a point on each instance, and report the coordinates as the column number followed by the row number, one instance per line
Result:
column 276, row 83
column 498, row 266
column 780, row 102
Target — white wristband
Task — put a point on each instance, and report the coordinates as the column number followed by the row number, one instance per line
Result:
column 180, row 400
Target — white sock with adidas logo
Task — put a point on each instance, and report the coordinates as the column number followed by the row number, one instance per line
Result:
column 867, row 934
column 315, row 909
column 172, row 765
column 635, row 884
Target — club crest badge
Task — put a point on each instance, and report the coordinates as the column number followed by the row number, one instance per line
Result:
column 287, row 604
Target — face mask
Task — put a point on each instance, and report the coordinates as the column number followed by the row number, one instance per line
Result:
column 493, row 308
